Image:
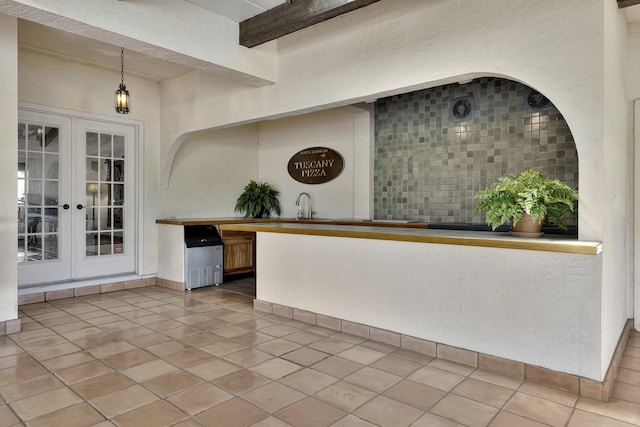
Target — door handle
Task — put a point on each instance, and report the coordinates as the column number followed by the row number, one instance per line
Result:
column 79, row 206
column 65, row 206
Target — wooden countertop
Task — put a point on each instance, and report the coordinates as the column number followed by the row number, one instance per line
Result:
column 399, row 232
column 241, row 220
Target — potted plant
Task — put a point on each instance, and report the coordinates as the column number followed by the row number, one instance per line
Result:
column 258, row 199
column 527, row 200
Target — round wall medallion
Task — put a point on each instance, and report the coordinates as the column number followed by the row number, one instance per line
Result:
column 462, row 109
column 315, row 165
column 535, row 101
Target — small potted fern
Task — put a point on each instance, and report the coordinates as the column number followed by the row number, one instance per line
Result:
column 258, row 199
column 527, row 200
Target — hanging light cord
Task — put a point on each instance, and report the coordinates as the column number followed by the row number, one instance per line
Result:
column 121, row 66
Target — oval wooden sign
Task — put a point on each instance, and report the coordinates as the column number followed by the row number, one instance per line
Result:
column 315, row 165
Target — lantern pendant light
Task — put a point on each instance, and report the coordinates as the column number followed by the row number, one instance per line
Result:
column 122, row 94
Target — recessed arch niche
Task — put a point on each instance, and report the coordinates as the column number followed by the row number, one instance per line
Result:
column 427, row 166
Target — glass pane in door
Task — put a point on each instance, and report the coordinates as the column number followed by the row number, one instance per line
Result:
column 105, row 162
column 38, row 189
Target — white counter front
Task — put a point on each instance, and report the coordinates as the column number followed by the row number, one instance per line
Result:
column 540, row 307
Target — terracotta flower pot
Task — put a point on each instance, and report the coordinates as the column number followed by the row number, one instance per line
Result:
column 527, row 227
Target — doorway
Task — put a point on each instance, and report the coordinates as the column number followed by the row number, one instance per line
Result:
column 76, row 198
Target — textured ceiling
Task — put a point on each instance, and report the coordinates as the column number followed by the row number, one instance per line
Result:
column 237, row 10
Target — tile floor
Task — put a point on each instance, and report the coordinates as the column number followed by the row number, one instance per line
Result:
column 158, row 357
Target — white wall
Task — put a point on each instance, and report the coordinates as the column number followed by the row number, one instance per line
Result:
column 8, row 167
column 55, row 82
column 210, row 171
column 339, row 129
column 633, row 93
column 617, row 162
column 397, row 46
column 530, row 306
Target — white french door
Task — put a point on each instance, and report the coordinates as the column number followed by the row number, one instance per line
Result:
column 76, row 194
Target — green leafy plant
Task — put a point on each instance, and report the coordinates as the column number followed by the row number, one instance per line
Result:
column 258, row 199
column 528, row 193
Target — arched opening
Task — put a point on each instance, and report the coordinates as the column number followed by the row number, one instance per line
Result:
column 435, row 148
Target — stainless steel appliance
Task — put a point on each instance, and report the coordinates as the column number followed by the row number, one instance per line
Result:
column 203, row 256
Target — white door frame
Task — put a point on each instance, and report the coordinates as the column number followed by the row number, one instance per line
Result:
column 636, row 216
column 138, row 126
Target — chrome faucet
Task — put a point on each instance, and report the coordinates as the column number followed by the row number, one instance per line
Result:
column 301, row 213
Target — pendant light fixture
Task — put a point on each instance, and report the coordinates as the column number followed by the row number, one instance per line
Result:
column 122, row 94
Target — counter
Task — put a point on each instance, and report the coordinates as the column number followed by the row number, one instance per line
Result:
column 470, row 290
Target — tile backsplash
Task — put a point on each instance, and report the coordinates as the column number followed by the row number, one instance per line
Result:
column 428, row 167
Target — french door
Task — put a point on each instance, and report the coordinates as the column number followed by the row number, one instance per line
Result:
column 76, row 198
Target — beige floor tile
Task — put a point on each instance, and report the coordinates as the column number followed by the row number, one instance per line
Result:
column 247, row 357
column 507, row 419
column 480, row 391
column 311, row 412
column 361, row 355
column 629, row 393
column 240, row 382
column 18, row 390
column 172, row 383
column 619, row 410
column 232, row 413
column 45, row 403
column 121, row 401
column 111, row 349
column 373, row 379
column 231, row 331
column 415, row 394
column 396, row 365
column 352, row 421
column 279, row 330
column 308, row 380
column 275, row 368
column 55, row 351
column 330, row 345
column 224, row 347
column 345, row 396
column 8, row 347
column 80, row 415
column 305, row 356
column 182, row 332
column 271, row 422
column 497, row 379
column 632, row 363
column 146, row 371
column 83, row 372
column 148, row 340
column 253, row 338
column 68, row 360
column 201, row 339
column 587, row 419
column 464, row 411
column 166, row 348
column 431, row 420
column 337, row 366
column 22, row 367
column 304, row 337
column 386, row 412
column 278, row 346
column 273, row 397
column 628, row 376
column 7, row 417
column 436, row 378
column 189, row 357
column 155, row 414
column 129, row 358
column 548, row 393
column 199, row 398
column 447, row 365
column 538, row 409
column 102, row 385
column 213, row 369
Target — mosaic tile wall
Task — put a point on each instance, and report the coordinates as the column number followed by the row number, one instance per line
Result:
column 428, row 167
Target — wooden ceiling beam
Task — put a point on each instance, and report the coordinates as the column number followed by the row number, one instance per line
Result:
column 627, row 3
column 293, row 16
